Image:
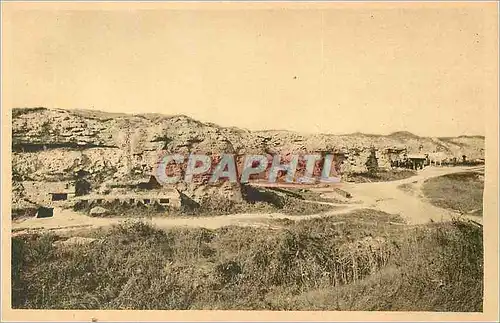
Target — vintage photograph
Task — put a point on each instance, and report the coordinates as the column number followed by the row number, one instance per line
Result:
column 319, row 157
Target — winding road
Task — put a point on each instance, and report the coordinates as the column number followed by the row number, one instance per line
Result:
column 410, row 204
column 383, row 196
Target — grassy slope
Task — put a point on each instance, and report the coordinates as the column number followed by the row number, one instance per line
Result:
column 381, row 176
column 461, row 191
column 359, row 261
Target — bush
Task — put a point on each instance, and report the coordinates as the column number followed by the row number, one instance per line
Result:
column 216, row 204
column 357, row 261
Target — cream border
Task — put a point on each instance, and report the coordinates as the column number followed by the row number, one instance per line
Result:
column 490, row 198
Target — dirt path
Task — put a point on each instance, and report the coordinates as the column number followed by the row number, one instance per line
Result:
column 387, row 197
column 383, row 196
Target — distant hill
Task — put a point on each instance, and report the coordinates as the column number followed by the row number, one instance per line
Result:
column 403, row 135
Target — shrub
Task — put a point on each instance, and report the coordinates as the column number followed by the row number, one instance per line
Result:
column 357, row 261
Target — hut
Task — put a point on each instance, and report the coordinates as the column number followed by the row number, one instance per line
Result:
column 417, row 161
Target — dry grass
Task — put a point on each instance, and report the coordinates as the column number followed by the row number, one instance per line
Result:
column 461, row 192
column 355, row 261
column 381, row 176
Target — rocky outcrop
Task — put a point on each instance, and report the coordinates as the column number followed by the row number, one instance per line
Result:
column 98, row 211
column 53, row 144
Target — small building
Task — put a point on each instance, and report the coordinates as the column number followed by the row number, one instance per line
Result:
column 61, row 192
column 417, row 161
column 48, row 193
column 163, row 197
column 61, row 195
column 396, row 156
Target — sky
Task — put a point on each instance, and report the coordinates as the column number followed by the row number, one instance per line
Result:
column 430, row 69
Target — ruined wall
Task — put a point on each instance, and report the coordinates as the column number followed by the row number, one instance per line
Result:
column 38, row 192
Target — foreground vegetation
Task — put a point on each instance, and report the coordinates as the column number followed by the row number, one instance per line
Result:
column 365, row 260
column 462, row 192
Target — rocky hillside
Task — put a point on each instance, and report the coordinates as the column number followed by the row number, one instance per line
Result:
column 52, row 144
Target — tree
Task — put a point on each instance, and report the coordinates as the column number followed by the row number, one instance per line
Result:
column 82, row 187
column 372, row 162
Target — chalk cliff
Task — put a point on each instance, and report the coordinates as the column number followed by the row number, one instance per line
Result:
column 51, row 144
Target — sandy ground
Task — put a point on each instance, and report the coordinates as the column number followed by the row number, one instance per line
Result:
column 383, row 196
column 411, row 205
